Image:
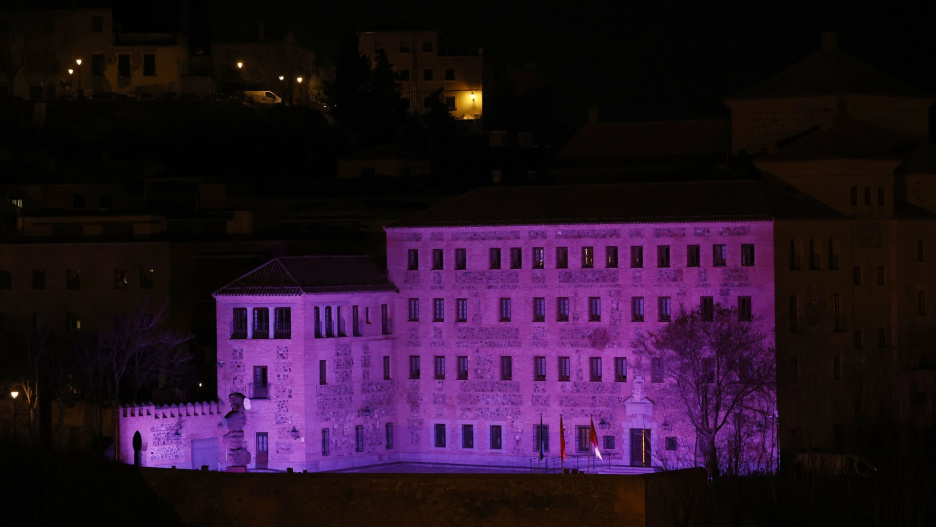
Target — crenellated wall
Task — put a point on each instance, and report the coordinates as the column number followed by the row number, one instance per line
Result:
column 167, row 432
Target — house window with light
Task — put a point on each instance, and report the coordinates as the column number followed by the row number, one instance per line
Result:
column 239, row 323
column 261, row 323
column 282, row 328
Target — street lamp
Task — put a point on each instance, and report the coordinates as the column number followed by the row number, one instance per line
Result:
column 14, row 394
column 80, row 90
column 299, row 80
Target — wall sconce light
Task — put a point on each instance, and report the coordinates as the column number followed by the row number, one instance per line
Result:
column 667, row 426
column 604, row 425
column 294, row 433
column 281, row 78
column 299, row 80
column 240, row 64
column 472, row 96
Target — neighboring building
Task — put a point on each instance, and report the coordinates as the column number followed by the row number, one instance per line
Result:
column 42, row 47
column 422, row 68
column 265, row 60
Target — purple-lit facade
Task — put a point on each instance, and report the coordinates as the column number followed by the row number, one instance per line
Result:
column 476, row 335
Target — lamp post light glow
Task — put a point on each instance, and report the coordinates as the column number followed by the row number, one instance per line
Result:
column 240, row 64
column 80, row 91
column 14, row 394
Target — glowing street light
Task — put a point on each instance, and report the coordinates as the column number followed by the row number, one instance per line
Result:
column 281, row 78
column 14, row 394
column 240, row 64
column 80, row 91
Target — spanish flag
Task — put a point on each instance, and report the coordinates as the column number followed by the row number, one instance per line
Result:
column 593, row 437
column 562, row 451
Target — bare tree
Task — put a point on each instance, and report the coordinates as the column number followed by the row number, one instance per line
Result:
column 717, row 364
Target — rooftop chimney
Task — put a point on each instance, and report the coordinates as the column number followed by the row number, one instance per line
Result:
column 829, row 40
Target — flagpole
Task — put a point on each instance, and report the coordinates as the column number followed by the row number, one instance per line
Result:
column 539, row 464
column 561, row 446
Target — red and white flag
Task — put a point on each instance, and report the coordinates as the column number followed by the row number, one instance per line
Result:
column 593, row 437
column 562, row 451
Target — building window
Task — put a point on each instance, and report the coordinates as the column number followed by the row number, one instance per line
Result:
column 794, row 314
column 449, row 74
column 72, row 279
column 656, row 370
column 920, row 250
column 496, row 434
column 461, row 259
column 594, row 369
column 747, row 254
column 637, row 309
column 461, row 310
column 329, row 328
column 355, row 321
column 719, row 255
column 326, row 442
column 670, row 443
column 867, row 195
column 239, row 323
column 388, row 431
column 608, row 442
column 495, row 258
column 707, row 307
column 744, row 309
column 562, row 257
column 120, row 278
column 708, row 370
column 611, row 257
column 97, row 24
column 146, row 278
column 636, row 259
column 856, row 275
column 462, row 368
column 565, row 367
column 539, row 309
column 323, row 372
column 837, row 368
column 794, row 256
column 582, row 438
column 404, row 46
column 367, row 315
column 260, row 390
column 815, row 259
column 340, row 321
column 282, row 323
column 439, row 435
column 149, row 65
column 588, row 257
column 620, row 369
column 450, row 102
column 438, row 310
column 412, row 260
column 881, row 277
column 539, row 368
column 858, row 339
column 516, row 258
column 386, row 367
column 505, row 310
column 663, row 256
column 594, row 309
column 427, row 46
column 881, row 196
column 439, row 364
column 539, row 260
column 562, row 309
column 384, row 319
column 123, row 65
column 437, row 259
column 837, row 312
column 467, row 436
column 261, row 323
column 414, row 367
column 427, row 75
column 854, row 196
column 97, row 65
column 541, row 438
column 38, row 279
column 506, row 368
column 693, row 256
column 883, row 339
column 833, row 255
column 664, row 313
column 414, row 310
column 921, row 303
column 74, row 322
column 403, row 76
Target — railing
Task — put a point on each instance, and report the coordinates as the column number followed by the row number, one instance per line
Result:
column 574, row 463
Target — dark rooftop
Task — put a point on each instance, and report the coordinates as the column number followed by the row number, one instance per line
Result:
column 618, row 203
column 661, row 138
column 295, row 275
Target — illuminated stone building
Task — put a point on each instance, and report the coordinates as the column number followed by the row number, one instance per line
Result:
column 423, row 68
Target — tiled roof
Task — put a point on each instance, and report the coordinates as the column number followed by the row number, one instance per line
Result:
column 295, row 275
column 618, row 203
column 829, row 72
column 662, row 138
